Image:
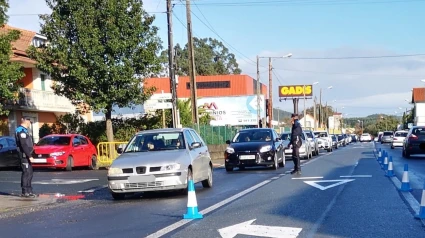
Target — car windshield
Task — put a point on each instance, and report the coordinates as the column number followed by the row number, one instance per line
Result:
column 286, row 136
column 156, row 141
column 401, row 134
column 320, row 134
column 387, row 133
column 55, row 140
column 252, row 136
column 309, row 135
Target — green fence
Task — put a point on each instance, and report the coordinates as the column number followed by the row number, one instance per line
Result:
column 216, row 135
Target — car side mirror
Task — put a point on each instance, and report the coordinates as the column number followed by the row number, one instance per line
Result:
column 195, row 145
column 119, row 150
column 228, row 142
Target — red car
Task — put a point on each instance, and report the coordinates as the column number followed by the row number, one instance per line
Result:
column 65, row 151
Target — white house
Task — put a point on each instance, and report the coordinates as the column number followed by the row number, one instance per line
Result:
column 418, row 100
column 309, row 122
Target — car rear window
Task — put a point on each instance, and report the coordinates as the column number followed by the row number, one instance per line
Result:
column 400, row 134
column 419, row 131
column 365, row 135
column 387, row 133
column 285, row 136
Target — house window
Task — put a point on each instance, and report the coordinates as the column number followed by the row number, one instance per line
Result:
column 43, row 82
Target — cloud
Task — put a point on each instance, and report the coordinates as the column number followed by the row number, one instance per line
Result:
column 361, row 86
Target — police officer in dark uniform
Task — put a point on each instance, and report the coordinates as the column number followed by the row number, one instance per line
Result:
column 25, row 144
column 296, row 143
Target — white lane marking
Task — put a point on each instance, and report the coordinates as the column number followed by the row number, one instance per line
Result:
column 356, row 176
column 275, row 177
column 338, row 182
column 308, row 178
column 246, row 228
column 282, row 174
column 181, row 223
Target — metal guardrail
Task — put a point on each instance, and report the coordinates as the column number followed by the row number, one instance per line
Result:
column 107, row 152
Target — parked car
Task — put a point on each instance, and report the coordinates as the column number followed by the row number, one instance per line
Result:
column 254, row 147
column 160, row 160
column 414, row 144
column 335, row 143
column 387, row 137
column 325, row 141
column 306, row 150
column 342, row 141
column 9, row 155
column 65, row 151
column 398, row 139
column 365, row 137
column 314, row 142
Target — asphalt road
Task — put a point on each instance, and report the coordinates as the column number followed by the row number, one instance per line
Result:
column 270, row 197
column 416, row 166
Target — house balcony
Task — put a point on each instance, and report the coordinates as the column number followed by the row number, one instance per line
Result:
column 39, row 100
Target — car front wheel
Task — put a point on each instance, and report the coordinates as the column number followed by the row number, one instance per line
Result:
column 207, row 183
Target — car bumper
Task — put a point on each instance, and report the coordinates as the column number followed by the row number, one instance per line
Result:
column 51, row 162
column 397, row 144
column 258, row 159
column 303, row 152
column 385, row 140
column 145, row 183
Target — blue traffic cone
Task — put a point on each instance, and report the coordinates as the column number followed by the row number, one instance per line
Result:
column 405, row 183
column 192, row 204
column 390, row 171
column 385, row 164
column 381, row 159
column 384, row 155
column 421, row 213
column 379, row 155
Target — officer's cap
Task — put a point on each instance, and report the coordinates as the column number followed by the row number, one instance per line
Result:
column 26, row 119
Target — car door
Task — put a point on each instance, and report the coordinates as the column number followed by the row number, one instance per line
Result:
column 15, row 160
column 278, row 145
column 205, row 155
column 4, row 153
column 77, row 151
column 85, row 147
column 196, row 156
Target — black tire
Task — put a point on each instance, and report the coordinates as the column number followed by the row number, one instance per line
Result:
column 208, row 183
column 118, row 196
column 276, row 164
column 69, row 163
column 229, row 168
column 93, row 164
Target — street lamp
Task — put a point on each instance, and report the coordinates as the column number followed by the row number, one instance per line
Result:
column 305, row 110
column 270, row 86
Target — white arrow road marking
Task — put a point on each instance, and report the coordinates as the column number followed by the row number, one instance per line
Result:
column 64, row 181
column 246, row 228
column 336, row 183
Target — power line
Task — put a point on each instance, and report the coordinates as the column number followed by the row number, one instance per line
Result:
column 300, row 3
column 356, row 57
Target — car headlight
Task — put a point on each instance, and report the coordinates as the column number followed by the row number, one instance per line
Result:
column 265, row 148
column 170, row 167
column 114, row 171
column 56, row 154
column 230, row 150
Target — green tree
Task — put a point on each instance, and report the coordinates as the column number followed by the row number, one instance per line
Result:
column 185, row 110
column 10, row 72
column 211, row 58
column 99, row 51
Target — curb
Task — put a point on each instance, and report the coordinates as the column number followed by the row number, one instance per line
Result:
column 407, row 196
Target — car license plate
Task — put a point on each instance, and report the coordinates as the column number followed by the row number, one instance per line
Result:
column 142, row 179
column 40, row 161
column 245, row 157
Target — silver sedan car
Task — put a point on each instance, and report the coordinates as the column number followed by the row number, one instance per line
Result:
column 159, row 160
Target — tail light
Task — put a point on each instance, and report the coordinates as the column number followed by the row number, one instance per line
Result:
column 413, row 137
column 394, row 138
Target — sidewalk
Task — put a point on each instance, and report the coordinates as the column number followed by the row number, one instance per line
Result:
column 12, row 205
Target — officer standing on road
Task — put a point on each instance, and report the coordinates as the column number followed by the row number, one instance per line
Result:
column 25, row 144
column 296, row 143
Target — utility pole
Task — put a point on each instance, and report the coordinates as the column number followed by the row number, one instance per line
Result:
column 173, row 88
column 270, row 93
column 192, row 69
column 258, row 93
column 295, row 101
column 320, row 110
column 314, row 109
column 305, row 111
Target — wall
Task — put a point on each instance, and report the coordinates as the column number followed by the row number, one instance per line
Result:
column 217, row 152
column 28, row 78
column 420, row 114
column 37, row 80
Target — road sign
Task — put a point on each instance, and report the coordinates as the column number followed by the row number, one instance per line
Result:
column 335, row 183
column 157, row 104
column 246, row 228
column 161, row 96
